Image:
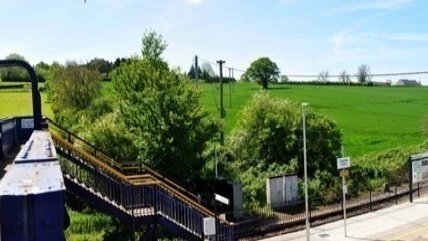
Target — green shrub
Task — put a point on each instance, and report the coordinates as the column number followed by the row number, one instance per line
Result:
column 267, row 141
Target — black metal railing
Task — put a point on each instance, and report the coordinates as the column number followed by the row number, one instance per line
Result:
column 137, row 195
column 128, row 168
column 268, row 221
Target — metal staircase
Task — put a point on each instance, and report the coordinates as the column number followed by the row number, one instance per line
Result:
column 138, row 196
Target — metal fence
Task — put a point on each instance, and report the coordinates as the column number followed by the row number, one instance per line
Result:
column 269, row 221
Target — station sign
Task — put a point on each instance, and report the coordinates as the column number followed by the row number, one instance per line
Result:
column 420, row 169
column 221, row 199
column 343, row 163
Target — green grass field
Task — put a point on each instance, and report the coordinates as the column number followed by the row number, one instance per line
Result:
column 371, row 119
column 17, row 102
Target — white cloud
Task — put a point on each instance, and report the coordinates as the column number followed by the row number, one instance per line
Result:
column 339, row 39
column 194, row 2
column 377, row 5
column 413, row 37
column 370, row 46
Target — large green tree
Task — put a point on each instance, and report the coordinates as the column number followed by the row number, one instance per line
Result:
column 14, row 74
column 267, row 141
column 158, row 114
column 71, row 89
column 263, row 71
column 160, row 108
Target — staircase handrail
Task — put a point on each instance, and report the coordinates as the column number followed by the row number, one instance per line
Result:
column 100, row 155
column 158, row 178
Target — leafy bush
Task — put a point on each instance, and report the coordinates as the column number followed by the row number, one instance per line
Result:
column 70, row 90
column 267, row 141
column 388, row 167
column 111, row 136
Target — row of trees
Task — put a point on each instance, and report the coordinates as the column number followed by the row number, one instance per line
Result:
column 262, row 71
column 363, row 75
column 15, row 74
column 265, row 71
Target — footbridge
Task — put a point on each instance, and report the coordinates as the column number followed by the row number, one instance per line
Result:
column 133, row 193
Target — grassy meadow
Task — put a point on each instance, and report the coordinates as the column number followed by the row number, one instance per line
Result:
column 17, row 102
column 371, row 119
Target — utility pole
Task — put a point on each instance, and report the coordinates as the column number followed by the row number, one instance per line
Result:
column 230, row 88
column 233, row 77
column 196, row 68
column 221, row 62
column 307, row 224
column 344, row 190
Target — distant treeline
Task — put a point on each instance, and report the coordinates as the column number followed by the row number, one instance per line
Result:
column 315, row 82
column 17, row 74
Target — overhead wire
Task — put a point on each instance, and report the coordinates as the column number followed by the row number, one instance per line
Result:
column 330, row 76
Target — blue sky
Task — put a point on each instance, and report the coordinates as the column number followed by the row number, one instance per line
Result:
column 302, row 36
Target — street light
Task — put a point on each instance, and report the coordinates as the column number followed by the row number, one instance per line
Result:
column 305, row 171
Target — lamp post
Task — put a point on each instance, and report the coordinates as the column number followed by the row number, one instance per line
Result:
column 305, row 171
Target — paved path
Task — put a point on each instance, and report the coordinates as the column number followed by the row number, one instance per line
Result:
column 405, row 222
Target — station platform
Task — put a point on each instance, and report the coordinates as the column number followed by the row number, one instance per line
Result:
column 404, row 222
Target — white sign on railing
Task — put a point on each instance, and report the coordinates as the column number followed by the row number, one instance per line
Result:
column 27, row 123
column 209, row 226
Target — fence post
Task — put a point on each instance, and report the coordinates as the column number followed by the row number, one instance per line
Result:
column 395, row 191
column 132, row 212
column 370, row 192
column 155, row 199
column 310, row 214
column 410, row 179
column 419, row 195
